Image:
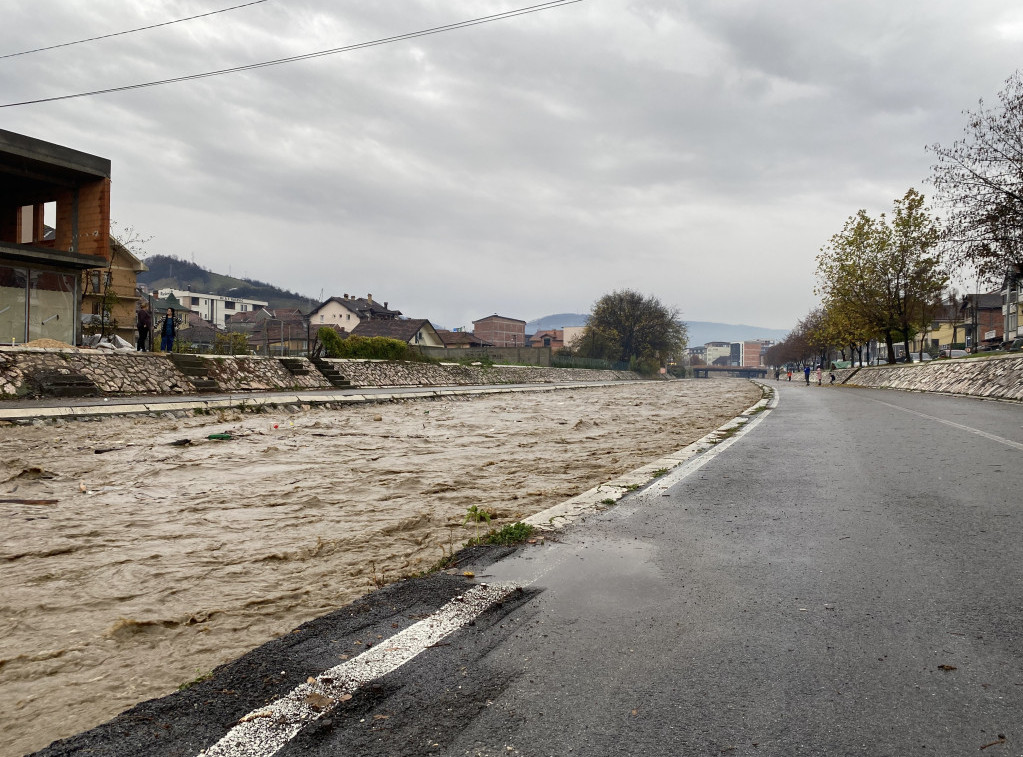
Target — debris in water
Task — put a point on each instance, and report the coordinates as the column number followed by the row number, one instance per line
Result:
column 180, row 443
column 220, row 437
column 947, row 667
column 29, row 501
column 33, row 474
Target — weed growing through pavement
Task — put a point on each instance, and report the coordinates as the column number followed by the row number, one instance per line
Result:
column 378, row 581
column 476, row 515
column 513, row 533
column 199, row 678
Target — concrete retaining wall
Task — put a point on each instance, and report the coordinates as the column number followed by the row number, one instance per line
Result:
column 525, row 355
column 998, row 377
column 148, row 373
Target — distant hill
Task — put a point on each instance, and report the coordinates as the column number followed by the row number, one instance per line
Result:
column 556, row 321
column 700, row 332
column 167, row 271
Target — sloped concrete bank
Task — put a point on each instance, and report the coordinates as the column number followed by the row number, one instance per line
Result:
column 39, row 372
column 998, row 377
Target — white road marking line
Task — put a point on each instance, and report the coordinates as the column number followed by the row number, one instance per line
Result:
column 953, row 424
column 263, row 732
column 688, row 468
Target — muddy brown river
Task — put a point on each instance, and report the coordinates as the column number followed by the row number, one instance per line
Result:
column 144, row 562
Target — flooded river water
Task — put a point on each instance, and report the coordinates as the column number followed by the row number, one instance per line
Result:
column 144, row 562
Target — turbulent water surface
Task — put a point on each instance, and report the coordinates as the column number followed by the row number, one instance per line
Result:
column 142, row 561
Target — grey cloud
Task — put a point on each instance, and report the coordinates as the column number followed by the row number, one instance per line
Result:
column 697, row 150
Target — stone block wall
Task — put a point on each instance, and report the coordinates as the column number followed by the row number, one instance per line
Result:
column 241, row 373
column 153, row 373
column 998, row 377
column 124, row 373
column 387, row 373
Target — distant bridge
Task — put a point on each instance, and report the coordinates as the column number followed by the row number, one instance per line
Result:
column 737, row 371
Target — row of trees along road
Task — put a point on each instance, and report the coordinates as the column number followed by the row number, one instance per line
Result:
column 885, row 278
column 880, row 277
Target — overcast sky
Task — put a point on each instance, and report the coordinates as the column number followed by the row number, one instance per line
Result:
column 697, row 150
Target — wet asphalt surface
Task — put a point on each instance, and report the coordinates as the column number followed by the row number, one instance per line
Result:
column 846, row 579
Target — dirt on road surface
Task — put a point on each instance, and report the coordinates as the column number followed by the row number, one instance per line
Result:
column 138, row 553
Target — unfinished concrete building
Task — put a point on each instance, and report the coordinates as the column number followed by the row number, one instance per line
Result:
column 44, row 184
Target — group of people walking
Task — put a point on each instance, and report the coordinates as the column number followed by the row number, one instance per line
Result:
column 144, row 323
column 807, row 370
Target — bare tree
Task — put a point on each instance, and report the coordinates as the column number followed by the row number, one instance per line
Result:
column 979, row 180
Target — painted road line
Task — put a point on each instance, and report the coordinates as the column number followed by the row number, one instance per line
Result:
column 953, row 424
column 686, row 469
column 596, row 499
column 698, row 454
column 263, row 732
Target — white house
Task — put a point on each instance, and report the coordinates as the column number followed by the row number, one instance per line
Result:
column 348, row 312
column 212, row 307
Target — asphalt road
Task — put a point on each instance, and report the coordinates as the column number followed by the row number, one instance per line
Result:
column 844, row 578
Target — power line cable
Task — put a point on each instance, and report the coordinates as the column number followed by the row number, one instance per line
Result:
column 308, row 56
column 132, row 31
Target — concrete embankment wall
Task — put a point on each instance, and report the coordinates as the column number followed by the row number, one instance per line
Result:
column 28, row 372
column 999, row 377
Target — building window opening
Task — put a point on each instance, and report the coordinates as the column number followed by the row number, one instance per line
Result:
column 26, row 224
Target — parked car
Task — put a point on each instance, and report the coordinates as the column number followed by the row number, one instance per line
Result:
column 954, row 353
column 1016, row 346
column 916, row 357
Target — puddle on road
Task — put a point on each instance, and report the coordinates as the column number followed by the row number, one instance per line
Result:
column 629, row 580
column 158, row 562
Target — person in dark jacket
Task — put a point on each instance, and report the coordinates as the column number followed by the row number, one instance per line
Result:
column 167, row 331
column 144, row 323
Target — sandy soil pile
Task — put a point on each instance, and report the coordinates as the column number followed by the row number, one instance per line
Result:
column 143, row 560
column 49, row 343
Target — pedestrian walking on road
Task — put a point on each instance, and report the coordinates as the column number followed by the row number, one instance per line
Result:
column 820, row 371
column 806, row 374
column 777, row 374
column 790, row 374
